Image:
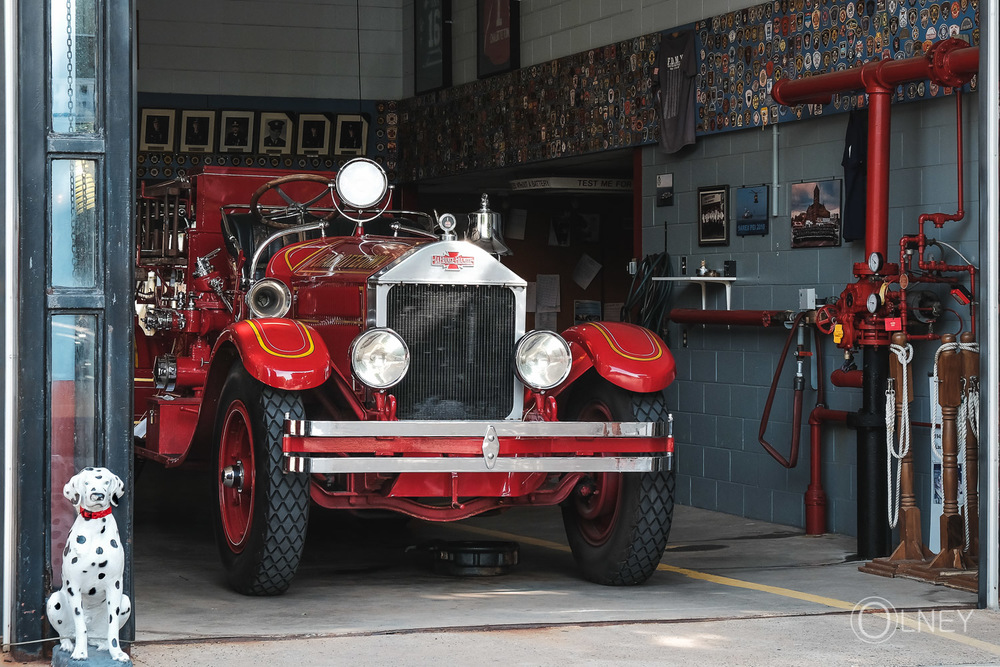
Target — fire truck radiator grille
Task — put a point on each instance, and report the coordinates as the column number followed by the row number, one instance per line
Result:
column 461, row 341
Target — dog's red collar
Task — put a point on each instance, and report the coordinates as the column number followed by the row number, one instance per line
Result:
column 95, row 515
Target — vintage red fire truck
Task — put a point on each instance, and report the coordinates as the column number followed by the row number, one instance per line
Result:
column 313, row 345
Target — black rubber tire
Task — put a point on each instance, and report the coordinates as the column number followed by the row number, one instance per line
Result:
column 267, row 562
column 632, row 535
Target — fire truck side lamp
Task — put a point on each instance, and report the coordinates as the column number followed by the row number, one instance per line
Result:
column 379, row 358
column 542, row 360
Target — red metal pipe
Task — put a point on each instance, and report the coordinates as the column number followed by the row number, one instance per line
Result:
column 760, row 318
column 815, row 498
column 842, row 378
column 949, row 63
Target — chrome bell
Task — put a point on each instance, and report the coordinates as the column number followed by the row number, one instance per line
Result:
column 484, row 229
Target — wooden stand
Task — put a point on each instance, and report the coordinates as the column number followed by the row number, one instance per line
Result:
column 910, row 550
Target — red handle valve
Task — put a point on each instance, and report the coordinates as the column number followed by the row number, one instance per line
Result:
column 826, row 319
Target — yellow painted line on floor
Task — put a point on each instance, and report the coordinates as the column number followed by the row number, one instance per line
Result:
column 913, row 623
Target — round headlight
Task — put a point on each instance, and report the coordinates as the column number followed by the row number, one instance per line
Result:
column 379, row 358
column 542, row 360
column 269, row 298
column 362, row 183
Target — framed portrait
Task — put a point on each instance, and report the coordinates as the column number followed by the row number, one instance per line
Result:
column 275, row 133
column 431, row 45
column 314, row 134
column 815, row 214
column 752, row 218
column 156, row 130
column 498, row 36
column 352, row 135
column 197, row 131
column 236, row 132
column 713, row 215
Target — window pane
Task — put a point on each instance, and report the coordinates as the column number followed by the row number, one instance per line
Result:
column 72, row 388
column 74, row 66
column 73, row 235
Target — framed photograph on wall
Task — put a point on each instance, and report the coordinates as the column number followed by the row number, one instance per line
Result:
column 156, row 130
column 498, row 33
column 815, row 214
column 314, row 134
column 431, row 45
column 197, row 131
column 275, row 133
column 751, row 211
column 713, row 215
column 236, row 132
column 352, row 135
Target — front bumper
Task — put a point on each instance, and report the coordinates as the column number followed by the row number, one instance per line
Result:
column 476, row 446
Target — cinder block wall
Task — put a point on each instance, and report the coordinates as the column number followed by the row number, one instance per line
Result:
column 275, row 48
column 724, row 374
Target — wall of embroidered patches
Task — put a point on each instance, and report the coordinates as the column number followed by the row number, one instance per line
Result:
column 602, row 99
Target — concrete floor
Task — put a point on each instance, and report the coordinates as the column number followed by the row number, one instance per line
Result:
column 728, row 591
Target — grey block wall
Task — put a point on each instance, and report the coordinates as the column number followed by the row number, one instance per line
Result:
column 724, row 373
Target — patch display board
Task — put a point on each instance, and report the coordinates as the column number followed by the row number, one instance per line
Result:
column 742, row 53
column 602, row 99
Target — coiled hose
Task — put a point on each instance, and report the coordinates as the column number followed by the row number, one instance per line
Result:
column 651, row 298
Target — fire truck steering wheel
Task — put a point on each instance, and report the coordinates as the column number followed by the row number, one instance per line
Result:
column 282, row 211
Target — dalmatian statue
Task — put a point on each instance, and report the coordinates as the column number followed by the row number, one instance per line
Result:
column 91, row 607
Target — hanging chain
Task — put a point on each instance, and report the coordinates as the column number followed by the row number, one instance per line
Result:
column 69, row 65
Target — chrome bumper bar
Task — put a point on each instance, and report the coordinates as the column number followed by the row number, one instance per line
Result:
column 471, row 459
column 397, row 464
column 473, row 429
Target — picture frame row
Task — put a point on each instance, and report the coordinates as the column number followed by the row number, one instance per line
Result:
column 261, row 132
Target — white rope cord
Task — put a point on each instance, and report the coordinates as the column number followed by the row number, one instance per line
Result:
column 936, row 419
column 904, row 355
column 968, row 416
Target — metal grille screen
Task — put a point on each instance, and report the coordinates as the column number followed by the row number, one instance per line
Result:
column 461, row 341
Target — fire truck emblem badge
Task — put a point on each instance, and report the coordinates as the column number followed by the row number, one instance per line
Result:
column 452, row 261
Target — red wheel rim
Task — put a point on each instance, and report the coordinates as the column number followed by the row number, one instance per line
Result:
column 599, row 510
column 236, row 452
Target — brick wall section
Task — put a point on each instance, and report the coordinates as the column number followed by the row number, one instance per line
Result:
column 724, row 374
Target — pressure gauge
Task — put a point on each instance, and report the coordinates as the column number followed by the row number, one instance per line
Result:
column 873, row 301
column 875, row 261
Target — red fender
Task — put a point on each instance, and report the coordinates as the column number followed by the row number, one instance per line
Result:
column 281, row 353
column 624, row 354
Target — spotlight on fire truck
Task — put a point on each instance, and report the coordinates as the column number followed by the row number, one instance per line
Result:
column 362, row 184
column 269, row 298
column 379, row 358
column 542, row 360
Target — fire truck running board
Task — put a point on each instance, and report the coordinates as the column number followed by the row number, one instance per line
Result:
column 400, row 464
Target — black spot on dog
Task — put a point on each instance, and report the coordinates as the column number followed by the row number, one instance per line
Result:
column 118, row 583
column 114, row 545
column 101, row 575
column 118, row 610
column 102, row 530
column 76, row 610
column 88, row 468
column 74, row 560
column 114, row 642
column 66, row 550
column 92, row 591
column 100, row 550
column 57, row 606
column 102, row 564
column 80, row 539
column 97, row 477
column 69, row 591
column 59, row 622
column 110, row 618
